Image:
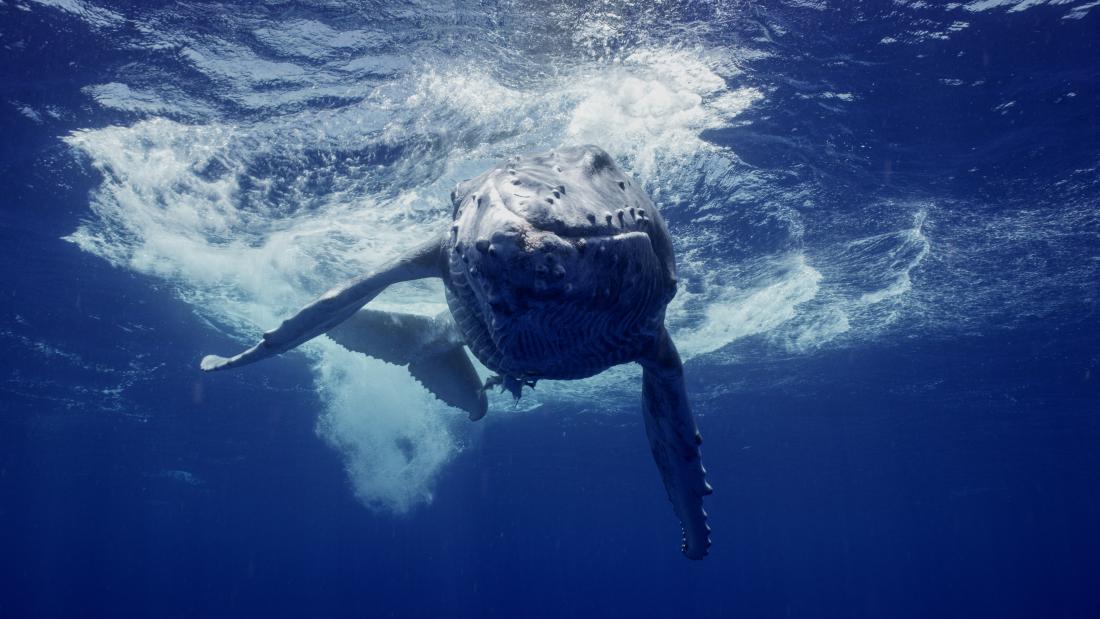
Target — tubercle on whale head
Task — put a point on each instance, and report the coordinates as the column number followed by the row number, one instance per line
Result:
column 507, row 254
column 543, row 228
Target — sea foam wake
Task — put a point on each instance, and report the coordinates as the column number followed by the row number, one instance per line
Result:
column 340, row 153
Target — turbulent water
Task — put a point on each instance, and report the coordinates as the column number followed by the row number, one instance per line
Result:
column 840, row 180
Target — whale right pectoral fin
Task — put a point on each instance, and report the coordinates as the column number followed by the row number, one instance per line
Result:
column 336, row 306
column 674, row 441
column 431, row 347
column 451, row 377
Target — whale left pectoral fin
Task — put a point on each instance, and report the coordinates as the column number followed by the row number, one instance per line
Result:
column 429, row 346
column 336, row 306
column 674, row 441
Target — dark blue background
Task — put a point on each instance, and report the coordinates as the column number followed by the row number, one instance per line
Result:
column 950, row 473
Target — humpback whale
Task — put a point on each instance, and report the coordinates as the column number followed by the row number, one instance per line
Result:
column 556, row 266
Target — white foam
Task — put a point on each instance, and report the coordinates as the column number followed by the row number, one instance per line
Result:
column 858, row 289
column 394, row 439
column 1015, row 6
column 1081, row 10
column 734, row 313
column 166, row 100
column 28, row 112
column 92, row 15
column 157, row 212
column 822, row 327
column 654, row 105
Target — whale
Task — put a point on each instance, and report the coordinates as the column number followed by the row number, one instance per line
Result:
column 556, row 266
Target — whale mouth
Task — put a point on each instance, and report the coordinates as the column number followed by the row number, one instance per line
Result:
column 542, row 305
column 511, row 272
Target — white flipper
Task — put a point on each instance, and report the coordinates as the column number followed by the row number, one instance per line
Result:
column 431, row 347
column 336, row 306
column 674, row 441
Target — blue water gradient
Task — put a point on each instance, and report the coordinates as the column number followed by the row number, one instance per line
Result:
column 888, row 232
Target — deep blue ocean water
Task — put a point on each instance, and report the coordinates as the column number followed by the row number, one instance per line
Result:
column 887, row 220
